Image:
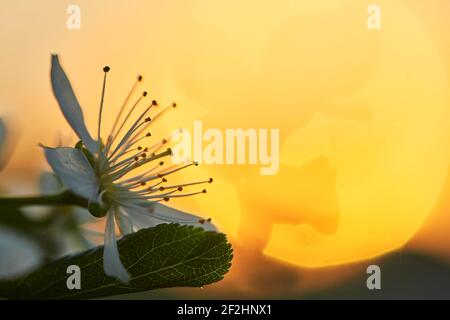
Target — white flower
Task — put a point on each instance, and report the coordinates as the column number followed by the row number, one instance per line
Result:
column 103, row 171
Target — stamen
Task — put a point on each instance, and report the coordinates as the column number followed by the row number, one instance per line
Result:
column 134, row 157
column 210, row 180
column 187, row 194
column 156, row 175
column 124, row 144
column 166, row 173
column 148, row 190
column 122, row 108
column 203, row 221
column 122, row 172
column 142, row 176
column 115, row 134
column 162, row 195
column 136, row 136
column 105, row 70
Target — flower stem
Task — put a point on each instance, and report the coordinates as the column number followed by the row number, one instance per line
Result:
column 61, row 199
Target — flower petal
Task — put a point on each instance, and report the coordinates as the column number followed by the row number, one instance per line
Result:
column 163, row 212
column 149, row 214
column 112, row 265
column 140, row 218
column 69, row 105
column 74, row 170
column 123, row 222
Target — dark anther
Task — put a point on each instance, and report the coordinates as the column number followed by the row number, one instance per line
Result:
column 144, row 93
column 161, row 188
column 180, row 188
column 139, row 148
column 161, row 163
column 166, row 199
column 148, row 119
column 139, row 78
column 174, row 105
column 204, row 191
column 106, row 69
column 148, row 134
column 210, row 180
column 154, row 103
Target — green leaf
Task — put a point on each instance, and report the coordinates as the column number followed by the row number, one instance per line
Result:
column 169, row 255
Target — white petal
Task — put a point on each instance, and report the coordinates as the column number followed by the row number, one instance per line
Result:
column 161, row 211
column 155, row 213
column 74, row 170
column 69, row 105
column 18, row 254
column 123, row 221
column 111, row 260
column 141, row 219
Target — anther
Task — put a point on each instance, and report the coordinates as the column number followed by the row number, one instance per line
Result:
column 210, row 180
column 106, row 69
column 139, row 78
column 136, row 158
column 164, row 180
column 148, row 134
column 143, row 183
column 139, row 148
column 161, row 163
column 166, row 199
column 154, row 103
column 164, row 141
column 174, row 105
column 161, row 188
column 148, row 119
column 144, row 93
column 180, row 188
column 204, row 191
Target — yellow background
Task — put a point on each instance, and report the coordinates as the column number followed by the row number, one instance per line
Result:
column 363, row 114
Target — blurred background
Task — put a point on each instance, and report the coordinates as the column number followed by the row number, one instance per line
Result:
column 364, row 119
